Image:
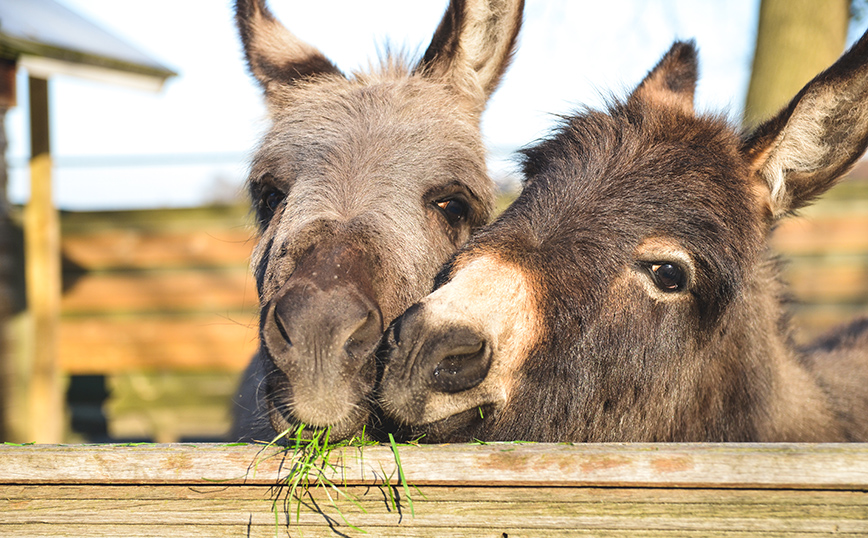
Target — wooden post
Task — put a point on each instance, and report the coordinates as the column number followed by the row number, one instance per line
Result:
column 42, row 274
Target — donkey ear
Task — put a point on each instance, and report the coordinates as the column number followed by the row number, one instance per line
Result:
column 273, row 54
column 803, row 151
column 473, row 46
column 672, row 82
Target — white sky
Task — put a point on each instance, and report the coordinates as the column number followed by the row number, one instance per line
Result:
column 121, row 148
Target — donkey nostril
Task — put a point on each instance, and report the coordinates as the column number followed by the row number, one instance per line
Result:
column 464, row 367
column 366, row 337
column 281, row 328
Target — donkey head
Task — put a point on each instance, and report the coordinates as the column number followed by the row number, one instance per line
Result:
column 363, row 186
column 627, row 295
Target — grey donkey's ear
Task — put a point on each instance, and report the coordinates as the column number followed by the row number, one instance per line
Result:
column 672, row 82
column 473, row 46
column 274, row 54
column 802, row 151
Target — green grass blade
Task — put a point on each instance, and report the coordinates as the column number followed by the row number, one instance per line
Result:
column 387, row 482
column 334, row 504
column 401, row 475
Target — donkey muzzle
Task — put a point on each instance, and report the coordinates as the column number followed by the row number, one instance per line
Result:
column 433, row 370
column 321, row 331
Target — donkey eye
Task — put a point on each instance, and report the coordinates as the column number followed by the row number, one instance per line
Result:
column 454, row 210
column 271, row 200
column 668, row 276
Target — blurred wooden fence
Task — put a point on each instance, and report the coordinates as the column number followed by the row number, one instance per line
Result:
column 826, row 255
column 500, row 490
column 158, row 316
column 157, row 290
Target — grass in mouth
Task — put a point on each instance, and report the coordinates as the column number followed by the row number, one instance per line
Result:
column 311, row 468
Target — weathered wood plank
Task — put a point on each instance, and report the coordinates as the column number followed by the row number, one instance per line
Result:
column 857, row 501
column 755, row 466
column 214, row 531
column 456, row 508
column 546, row 509
column 540, row 515
column 439, row 511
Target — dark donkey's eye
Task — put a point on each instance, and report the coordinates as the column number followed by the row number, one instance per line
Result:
column 669, row 277
column 453, row 209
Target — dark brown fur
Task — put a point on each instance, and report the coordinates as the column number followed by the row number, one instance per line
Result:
column 363, row 186
column 604, row 350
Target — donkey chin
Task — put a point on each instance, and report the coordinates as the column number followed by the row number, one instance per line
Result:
column 317, row 407
column 289, row 409
column 440, row 417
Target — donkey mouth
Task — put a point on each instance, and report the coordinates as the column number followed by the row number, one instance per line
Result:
column 458, row 428
column 289, row 409
column 349, row 426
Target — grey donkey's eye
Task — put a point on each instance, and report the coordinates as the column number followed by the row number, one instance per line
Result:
column 271, row 200
column 453, row 209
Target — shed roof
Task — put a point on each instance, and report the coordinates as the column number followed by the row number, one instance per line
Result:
column 48, row 38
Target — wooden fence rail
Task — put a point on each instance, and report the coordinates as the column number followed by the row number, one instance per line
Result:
column 496, row 490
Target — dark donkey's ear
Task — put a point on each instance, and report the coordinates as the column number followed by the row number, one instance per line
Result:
column 473, row 46
column 800, row 153
column 672, row 82
column 274, row 54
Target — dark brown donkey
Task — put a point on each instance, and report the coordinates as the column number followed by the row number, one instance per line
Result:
column 363, row 186
column 629, row 293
